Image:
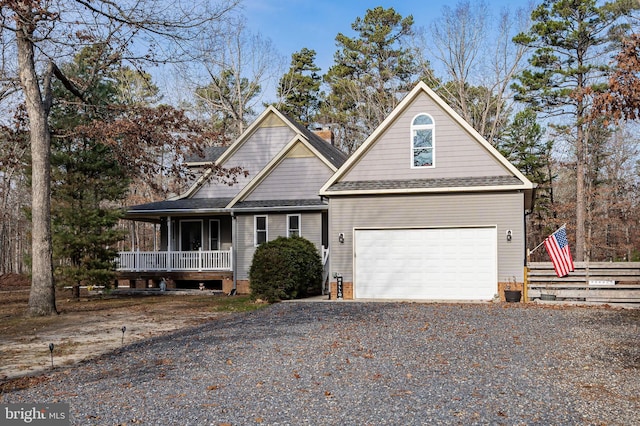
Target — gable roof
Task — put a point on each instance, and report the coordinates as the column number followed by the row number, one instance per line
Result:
column 314, row 147
column 327, row 150
column 324, row 150
column 335, row 185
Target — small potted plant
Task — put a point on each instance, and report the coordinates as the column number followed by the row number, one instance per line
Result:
column 547, row 294
column 511, row 294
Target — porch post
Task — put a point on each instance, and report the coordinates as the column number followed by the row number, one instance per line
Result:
column 169, row 238
column 155, row 237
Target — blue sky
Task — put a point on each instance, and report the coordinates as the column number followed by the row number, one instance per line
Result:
column 314, row 24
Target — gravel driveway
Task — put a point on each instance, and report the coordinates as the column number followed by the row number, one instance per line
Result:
column 341, row 363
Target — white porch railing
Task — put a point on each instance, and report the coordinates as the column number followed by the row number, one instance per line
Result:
column 202, row 260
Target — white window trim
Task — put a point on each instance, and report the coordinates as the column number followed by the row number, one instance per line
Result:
column 216, row 223
column 255, row 228
column 299, row 216
column 432, row 127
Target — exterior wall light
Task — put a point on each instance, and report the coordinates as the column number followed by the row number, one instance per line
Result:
column 509, row 234
column 341, row 238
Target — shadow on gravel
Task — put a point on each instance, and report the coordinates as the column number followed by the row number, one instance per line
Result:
column 619, row 329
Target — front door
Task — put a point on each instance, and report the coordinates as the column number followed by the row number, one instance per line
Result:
column 190, row 235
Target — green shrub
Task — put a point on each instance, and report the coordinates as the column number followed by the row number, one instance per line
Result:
column 285, row 268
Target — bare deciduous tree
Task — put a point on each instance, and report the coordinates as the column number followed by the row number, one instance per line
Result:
column 46, row 31
column 13, row 196
column 480, row 62
column 232, row 68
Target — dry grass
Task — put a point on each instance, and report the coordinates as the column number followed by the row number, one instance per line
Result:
column 91, row 325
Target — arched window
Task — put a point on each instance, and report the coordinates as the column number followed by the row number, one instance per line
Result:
column 422, row 141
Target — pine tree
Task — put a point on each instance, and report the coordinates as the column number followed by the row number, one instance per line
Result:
column 87, row 183
column 87, row 180
column 570, row 38
column 371, row 74
column 299, row 88
column 523, row 145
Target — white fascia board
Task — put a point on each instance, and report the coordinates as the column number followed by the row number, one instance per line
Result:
column 197, row 163
column 233, row 148
column 362, row 149
column 177, row 212
column 477, row 136
column 241, row 139
column 194, row 187
column 256, row 123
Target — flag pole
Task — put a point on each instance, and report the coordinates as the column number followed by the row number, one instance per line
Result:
column 538, row 246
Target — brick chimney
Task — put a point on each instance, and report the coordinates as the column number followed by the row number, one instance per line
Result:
column 326, row 134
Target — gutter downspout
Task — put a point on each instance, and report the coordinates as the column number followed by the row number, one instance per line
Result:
column 234, row 263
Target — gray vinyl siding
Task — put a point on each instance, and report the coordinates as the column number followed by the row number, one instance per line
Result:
column 504, row 210
column 311, row 226
column 252, row 156
column 457, row 154
column 293, row 179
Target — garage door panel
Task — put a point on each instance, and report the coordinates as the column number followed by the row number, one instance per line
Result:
column 448, row 263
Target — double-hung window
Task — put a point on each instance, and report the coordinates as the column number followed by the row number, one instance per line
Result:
column 261, row 229
column 293, row 225
column 422, row 141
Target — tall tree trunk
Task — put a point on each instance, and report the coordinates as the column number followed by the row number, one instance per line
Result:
column 581, row 206
column 42, row 296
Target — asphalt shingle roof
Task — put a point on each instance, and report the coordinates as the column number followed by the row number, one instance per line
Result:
column 372, row 185
column 190, row 205
column 279, row 203
column 330, row 152
column 209, row 154
column 183, row 204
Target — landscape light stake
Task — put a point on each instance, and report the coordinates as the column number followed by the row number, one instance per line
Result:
column 51, row 350
column 124, row 328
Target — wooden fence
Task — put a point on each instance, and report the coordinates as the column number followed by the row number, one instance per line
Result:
column 602, row 282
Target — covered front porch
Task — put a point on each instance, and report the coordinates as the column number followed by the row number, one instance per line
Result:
column 200, row 240
column 192, row 244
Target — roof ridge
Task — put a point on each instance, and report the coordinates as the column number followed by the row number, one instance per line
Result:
column 328, row 150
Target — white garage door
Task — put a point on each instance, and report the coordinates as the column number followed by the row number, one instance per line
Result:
column 447, row 264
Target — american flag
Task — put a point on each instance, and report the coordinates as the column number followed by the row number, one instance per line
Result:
column 557, row 246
